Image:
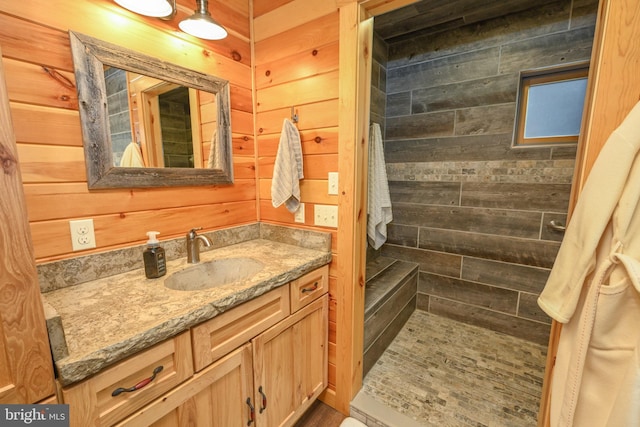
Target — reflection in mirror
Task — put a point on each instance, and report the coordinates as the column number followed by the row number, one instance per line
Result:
column 148, row 123
column 171, row 125
column 175, row 147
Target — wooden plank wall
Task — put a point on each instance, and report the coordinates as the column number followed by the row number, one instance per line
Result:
column 469, row 208
column 41, row 85
column 296, row 66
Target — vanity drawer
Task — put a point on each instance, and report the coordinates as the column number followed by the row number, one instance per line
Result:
column 91, row 402
column 229, row 330
column 309, row 287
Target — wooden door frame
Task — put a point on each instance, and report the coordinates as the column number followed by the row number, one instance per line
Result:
column 24, row 343
column 355, row 62
column 612, row 92
column 354, row 86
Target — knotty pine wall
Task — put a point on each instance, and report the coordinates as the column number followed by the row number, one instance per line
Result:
column 296, row 65
column 296, row 60
column 41, row 86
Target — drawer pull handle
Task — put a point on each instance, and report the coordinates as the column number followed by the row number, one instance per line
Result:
column 311, row 289
column 140, row 384
column 252, row 412
column 264, row 399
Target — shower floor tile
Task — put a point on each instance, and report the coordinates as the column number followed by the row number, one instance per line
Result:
column 441, row 372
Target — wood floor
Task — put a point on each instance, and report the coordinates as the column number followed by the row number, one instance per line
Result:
column 321, row 415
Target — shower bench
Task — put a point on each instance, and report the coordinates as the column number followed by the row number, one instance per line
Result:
column 390, row 298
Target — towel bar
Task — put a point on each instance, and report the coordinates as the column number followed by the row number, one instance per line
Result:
column 556, row 226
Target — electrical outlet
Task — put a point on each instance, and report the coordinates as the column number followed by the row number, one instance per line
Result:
column 326, row 215
column 82, row 234
column 333, row 182
column 299, row 215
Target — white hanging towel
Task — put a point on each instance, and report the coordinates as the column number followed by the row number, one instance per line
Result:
column 132, row 157
column 287, row 171
column 379, row 203
column 211, row 162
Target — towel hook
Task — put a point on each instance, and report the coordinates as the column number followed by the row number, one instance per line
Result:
column 294, row 115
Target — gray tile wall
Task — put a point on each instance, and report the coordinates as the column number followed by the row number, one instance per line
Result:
column 177, row 142
column 379, row 82
column 469, row 208
column 118, row 110
column 378, row 98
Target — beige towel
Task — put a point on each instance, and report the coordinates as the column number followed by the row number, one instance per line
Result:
column 379, row 201
column 132, row 157
column 287, row 171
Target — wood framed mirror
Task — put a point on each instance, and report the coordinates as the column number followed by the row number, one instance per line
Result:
column 207, row 94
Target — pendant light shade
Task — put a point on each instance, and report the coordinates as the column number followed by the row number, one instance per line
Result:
column 154, row 8
column 202, row 25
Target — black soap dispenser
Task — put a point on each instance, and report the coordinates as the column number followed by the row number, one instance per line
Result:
column 154, row 260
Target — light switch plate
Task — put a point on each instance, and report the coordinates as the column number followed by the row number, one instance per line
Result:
column 325, row 215
column 333, row 183
column 82, row 234
column 299, row 215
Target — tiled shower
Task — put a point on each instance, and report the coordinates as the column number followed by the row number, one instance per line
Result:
column 472, row 210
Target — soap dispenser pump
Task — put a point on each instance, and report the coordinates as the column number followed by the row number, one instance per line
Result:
column 154, row 260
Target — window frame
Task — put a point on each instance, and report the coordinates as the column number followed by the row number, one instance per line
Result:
column 540, row 76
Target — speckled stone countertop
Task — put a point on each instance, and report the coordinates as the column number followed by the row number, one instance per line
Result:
column 111, row 318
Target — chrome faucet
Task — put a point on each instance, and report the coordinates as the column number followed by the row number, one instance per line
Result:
column 193, row 249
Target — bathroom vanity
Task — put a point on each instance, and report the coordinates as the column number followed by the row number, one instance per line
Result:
column 249, row 352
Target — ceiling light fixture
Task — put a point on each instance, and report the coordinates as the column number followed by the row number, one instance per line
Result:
column 154, row 8
column 202, row 25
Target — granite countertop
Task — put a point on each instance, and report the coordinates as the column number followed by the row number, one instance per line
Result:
column 111, row 318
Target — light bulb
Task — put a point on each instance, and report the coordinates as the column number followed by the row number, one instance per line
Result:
column 203, row 28
column 154, row 8
column 202, row 25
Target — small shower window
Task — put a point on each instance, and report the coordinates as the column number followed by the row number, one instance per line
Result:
column 550, row 105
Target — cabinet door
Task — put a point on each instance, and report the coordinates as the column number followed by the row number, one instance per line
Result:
column 290, row 365
column 214, row 397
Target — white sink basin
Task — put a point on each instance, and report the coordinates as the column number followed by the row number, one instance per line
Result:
column 211, row 274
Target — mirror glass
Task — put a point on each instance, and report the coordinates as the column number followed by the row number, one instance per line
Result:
column 172, row 125
column 149, row 123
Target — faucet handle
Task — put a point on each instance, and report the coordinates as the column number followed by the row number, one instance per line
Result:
column 193, row 232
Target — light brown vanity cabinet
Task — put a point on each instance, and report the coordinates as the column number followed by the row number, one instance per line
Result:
column 290, row 351
column 269, row 350
column 268, row 382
